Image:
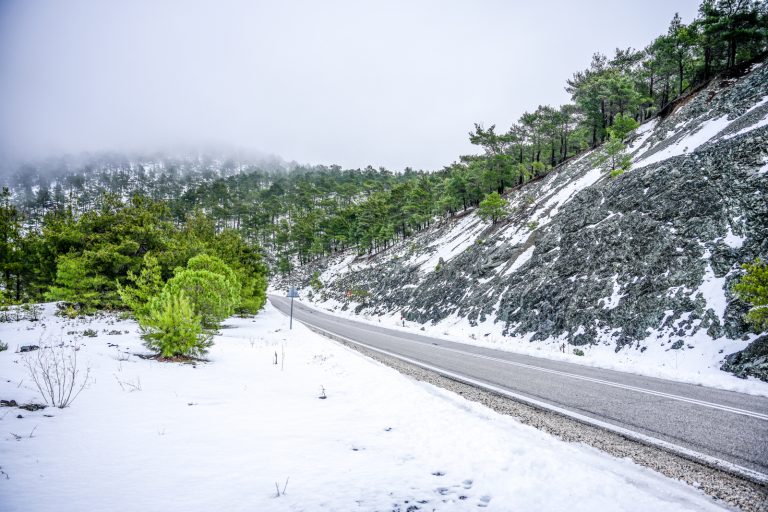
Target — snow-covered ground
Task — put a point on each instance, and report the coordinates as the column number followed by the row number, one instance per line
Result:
column 146, row 435
column 697, row 362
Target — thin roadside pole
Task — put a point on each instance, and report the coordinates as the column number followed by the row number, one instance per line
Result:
column 292, row 293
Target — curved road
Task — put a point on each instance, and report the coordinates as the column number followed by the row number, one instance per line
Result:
column 724, row 425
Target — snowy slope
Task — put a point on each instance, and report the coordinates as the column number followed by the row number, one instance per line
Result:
column 218, row 435
column 634, row 271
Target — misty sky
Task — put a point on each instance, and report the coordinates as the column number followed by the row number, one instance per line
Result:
column 394, row 84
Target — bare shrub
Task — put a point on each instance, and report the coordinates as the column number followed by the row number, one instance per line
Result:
column 129, row 386
column 56, row 374
column 277, row 488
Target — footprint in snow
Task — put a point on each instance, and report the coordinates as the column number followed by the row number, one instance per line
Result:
column 467, row 484
column 484, row 501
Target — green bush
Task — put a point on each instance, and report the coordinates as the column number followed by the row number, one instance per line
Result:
column 172, row 328
column 3, row 346
column 284, row 265
column 210, row 294
column 146, row 285
column 578, row 352
column 538, row 168
column 253, row 295
column 315, row 282
column 215, row 265
column 247, row 262
column 616, row 173
column 77, row 283
column 753, row 288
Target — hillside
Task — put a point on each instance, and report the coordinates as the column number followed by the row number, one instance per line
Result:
column 637, row 264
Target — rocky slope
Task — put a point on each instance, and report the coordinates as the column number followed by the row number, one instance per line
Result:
column 642, row 260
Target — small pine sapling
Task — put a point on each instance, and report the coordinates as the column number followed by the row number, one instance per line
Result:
column 172, row 328
column 315, row 282
column 492, row 208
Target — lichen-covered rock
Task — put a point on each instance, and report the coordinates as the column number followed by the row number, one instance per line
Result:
column 752, row 361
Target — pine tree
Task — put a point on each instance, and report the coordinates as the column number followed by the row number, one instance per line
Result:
column 613, row 156
column 146, row 285
column 209, row 294
column 215, row 265
column 77, row 284
column 753, row 288
column 622, row 126
column 492, row 208
column 11, row 259
column 315, row 282
column 247, row 262
column 172, row 328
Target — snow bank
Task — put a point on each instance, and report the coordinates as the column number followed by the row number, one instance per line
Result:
column 456, row 240
column 613, row 301
column 521, row 260
column 687, row 144
column 554, row 203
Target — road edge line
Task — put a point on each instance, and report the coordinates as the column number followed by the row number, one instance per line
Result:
column 681, row 451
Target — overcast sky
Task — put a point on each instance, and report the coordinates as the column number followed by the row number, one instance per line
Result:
column 389, row 83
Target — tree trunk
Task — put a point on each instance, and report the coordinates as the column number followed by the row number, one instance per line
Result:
column 707, row 62
column 602, row 117
column 565, row 145
column 731, row 53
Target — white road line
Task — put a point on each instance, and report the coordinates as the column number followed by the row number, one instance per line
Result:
column 711, row 405
column 695, row 401
column 709, row 460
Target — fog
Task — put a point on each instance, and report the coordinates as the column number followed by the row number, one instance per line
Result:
column 394, row 84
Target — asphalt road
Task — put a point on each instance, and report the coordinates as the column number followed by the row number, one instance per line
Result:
column 729, row 426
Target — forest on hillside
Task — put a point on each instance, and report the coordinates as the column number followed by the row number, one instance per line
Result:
column 68, row 226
